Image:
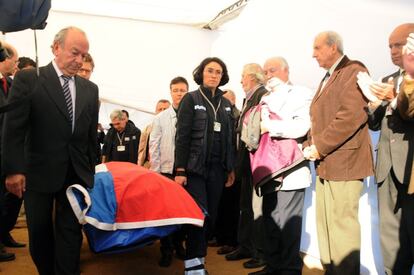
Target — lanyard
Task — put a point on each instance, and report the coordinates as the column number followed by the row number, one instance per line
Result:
column 215, row 110
column 120, row 138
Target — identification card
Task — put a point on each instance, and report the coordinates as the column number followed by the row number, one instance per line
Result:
column 389, row 110
column 120, row 148
column 217, row 126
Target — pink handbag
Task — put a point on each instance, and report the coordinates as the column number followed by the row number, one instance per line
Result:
column 273, row 157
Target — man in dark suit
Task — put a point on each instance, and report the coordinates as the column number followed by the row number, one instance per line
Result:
column 250, row 232
column 9, row 203
column 59, row 116
column 405, row 100
column 339, row 142
column 394, row 162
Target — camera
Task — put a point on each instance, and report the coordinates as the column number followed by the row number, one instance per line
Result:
column 3, row 53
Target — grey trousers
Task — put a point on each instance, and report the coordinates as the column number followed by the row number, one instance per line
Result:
column 396, row 212
column 282, row 218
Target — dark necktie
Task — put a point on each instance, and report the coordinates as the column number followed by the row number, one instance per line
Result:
column 67, row 95
column 325, row 80
column 326, row 77
column 4, row 84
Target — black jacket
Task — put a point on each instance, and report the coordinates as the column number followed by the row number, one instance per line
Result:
column 100, row 140
column 394, row 149
column 51, row 145
column 243, row 159
column 3, row 101
column 195, row 130
column 130, row 141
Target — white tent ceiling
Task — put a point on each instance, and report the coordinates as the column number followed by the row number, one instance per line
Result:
column 187, row 12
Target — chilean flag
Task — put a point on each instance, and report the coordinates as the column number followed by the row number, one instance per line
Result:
column 131, row 206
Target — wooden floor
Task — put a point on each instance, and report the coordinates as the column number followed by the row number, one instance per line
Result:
column 140, row 262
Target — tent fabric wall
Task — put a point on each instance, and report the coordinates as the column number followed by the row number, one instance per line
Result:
column 140, row 119
column 134, row 60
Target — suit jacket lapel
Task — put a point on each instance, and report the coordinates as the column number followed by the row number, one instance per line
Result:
column 318, row 92
column 53, row 87
column 331, row 79
column 80, row 101
column 393, row 75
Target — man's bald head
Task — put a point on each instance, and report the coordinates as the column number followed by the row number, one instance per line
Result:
column 9, row 65
column 70, row 46
column 397, row 39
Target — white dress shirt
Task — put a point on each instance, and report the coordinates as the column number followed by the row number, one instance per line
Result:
column 291, row 103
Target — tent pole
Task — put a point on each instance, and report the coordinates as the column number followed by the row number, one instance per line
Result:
column 36, row 53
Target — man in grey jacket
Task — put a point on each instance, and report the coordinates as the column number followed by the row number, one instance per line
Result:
column 394, row 162
column 161, row 151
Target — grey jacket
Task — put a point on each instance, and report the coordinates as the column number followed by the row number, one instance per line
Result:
column 393, row 146
column 162, row 141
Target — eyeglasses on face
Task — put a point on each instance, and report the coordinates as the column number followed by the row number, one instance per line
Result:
column 211, row 71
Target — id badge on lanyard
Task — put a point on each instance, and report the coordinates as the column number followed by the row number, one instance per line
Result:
column 120, row 147
column 217, row 126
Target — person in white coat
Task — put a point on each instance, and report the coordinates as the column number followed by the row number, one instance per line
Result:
column 161, row 151
column 283, row 206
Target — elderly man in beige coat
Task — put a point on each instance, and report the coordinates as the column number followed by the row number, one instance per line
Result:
column 340, row 144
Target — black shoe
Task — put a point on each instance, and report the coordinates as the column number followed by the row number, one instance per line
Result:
column 5, row 257
column 213, row 243
column 238, row 254
column 10, row 242
column 254, row 263
column 180, row 252
column 225, row 249
column 165, row 260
